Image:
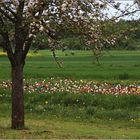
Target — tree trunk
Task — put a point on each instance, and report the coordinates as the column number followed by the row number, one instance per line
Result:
column 17, row 97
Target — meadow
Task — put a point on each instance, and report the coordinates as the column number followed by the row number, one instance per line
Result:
column 71, row 102
column 113, row 65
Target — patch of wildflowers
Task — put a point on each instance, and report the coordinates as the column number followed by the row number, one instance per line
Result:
column 76, row 86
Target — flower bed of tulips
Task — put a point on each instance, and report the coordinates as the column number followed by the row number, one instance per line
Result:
column 76, row 86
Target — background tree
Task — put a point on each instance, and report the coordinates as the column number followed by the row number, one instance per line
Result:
column 27, row 18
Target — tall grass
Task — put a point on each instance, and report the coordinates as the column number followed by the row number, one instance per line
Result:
column 77, row 106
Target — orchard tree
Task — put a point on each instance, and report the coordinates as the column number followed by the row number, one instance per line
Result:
column 22, row 20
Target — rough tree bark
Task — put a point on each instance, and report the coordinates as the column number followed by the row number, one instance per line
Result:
column 17, row 61
column 17, row 97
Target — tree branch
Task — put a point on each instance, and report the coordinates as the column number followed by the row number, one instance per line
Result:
column 27, row 45
column 1, row 21
column 56, row 58
column 12, row 12
column 128, row 13
column 8, row 47
column 20, row 9
column 7, row 15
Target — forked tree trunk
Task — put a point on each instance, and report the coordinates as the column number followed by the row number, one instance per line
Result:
column 17, row 98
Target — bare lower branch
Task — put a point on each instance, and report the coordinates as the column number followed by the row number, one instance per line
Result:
column 8, row 48
column 27, row 46
column 56, row 58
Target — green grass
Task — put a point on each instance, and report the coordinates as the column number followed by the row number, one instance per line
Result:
column 114, row 65
column 73, row 116
column 77, row 106
column 65, row 115
column 57, row 129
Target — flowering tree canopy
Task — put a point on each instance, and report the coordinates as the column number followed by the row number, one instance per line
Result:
column 22, row 20
column 84, row 17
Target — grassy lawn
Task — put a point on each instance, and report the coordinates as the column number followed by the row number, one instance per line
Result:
column 44, row 127
column 114, row 65
column 70, row 115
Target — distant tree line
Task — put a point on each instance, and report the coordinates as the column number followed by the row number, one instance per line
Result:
column 131, row 39
column 70, row 41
